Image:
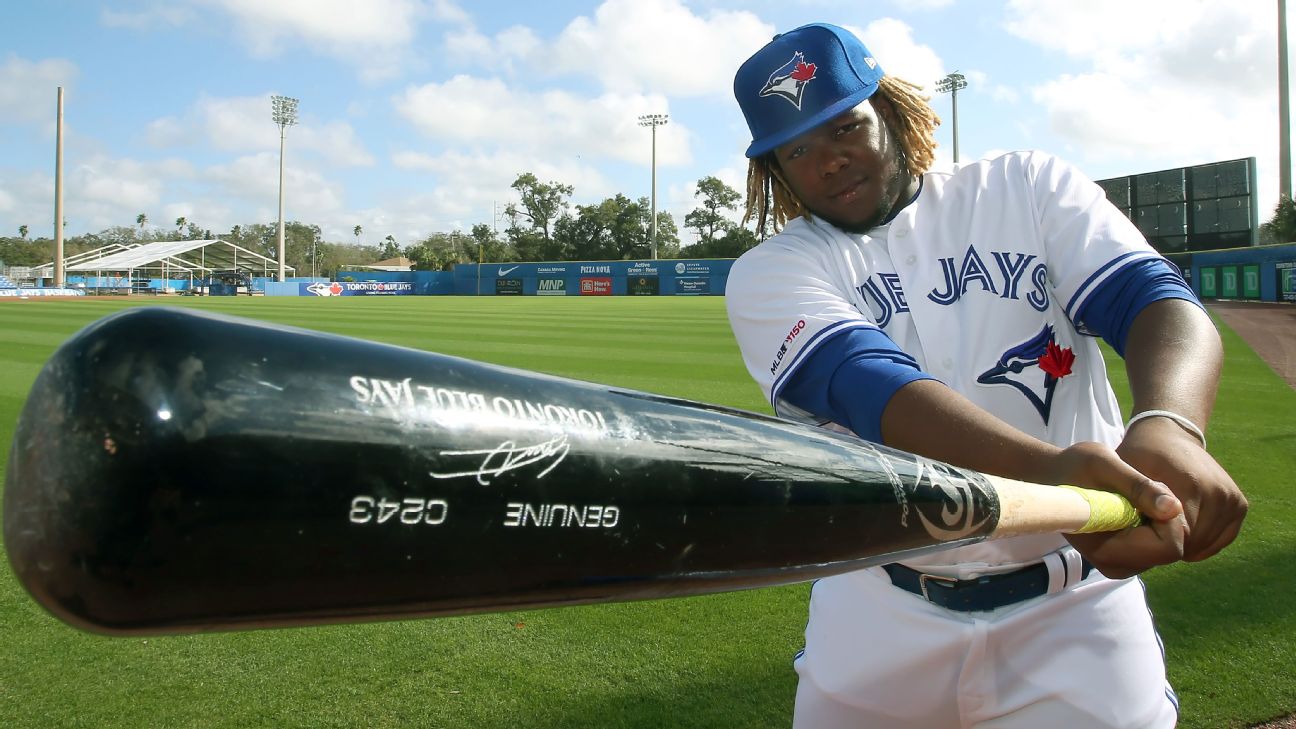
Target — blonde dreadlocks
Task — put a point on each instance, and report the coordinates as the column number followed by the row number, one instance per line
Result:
column 771, row 201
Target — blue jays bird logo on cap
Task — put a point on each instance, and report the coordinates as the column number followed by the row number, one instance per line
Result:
column 790, row 80
column 1022, row 366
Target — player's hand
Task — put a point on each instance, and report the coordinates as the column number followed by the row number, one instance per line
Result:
column 1213, row 504
column 1125, row 553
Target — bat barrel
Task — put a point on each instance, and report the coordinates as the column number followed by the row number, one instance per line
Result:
column 174, row 471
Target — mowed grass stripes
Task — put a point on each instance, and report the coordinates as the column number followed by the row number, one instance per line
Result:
column 717, row 661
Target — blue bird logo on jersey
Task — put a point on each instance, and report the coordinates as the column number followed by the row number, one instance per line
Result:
column 1034, row 368
column 790, row 79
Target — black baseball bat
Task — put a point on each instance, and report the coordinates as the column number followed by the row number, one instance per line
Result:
column 176, row 472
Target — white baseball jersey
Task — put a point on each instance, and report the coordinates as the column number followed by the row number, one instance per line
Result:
column 979, row 279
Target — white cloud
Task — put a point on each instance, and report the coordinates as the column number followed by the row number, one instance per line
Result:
column 467, row 184
column 28, row 88
column 448, row 11
column 892, row 42
column 657, row 45
column 158, row 16
column 1171, row 84
column 375, row 35
column 923, row 5
column 242, row 124
column 487, row 112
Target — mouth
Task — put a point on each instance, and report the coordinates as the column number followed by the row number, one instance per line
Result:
column 850, row 192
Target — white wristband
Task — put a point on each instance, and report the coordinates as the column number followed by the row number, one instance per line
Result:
column 1183, row 422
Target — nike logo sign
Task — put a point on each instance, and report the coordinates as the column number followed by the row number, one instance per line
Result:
column 506, row 271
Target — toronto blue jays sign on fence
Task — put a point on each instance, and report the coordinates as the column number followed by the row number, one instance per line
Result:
column 363, row 288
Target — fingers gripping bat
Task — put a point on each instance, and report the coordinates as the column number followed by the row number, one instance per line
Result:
column 178, row 472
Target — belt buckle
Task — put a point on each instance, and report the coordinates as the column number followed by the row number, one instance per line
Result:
column 923, row 578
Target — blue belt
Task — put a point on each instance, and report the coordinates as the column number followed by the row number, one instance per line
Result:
column 983, row 593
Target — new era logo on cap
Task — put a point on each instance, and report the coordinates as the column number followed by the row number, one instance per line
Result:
column 802, row 79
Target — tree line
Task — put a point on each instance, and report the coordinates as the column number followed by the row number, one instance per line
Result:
column 542, row 226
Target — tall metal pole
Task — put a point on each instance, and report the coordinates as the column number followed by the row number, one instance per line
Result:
column 1284, row 108
column 654, row 121
column 954, row 116
column 284, row 113
column 951, row 85
column 59, row 278
column 280, row 238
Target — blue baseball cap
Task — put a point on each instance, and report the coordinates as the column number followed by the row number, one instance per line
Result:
column 801, row 79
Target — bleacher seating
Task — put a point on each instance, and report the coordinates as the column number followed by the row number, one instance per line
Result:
column 5, row 283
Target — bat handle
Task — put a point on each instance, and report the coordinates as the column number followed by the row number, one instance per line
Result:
column 1028, row 508
column 1108, row 512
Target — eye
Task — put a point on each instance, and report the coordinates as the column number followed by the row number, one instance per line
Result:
column 794, row 153
column 847, row 128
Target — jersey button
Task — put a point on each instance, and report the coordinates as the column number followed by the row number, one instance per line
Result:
column 910, row 260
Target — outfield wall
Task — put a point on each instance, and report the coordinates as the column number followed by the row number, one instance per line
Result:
column 685, row 277
column 689, row 277
column 1259, row 273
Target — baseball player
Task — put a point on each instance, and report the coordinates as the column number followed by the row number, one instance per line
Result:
column 956, row 316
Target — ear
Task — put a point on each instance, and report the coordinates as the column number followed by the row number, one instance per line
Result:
column 884, row 108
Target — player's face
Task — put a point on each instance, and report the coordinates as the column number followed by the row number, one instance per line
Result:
column 848, row 171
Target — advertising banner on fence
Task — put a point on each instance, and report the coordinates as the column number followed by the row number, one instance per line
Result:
column 601, row 286
column 1287, row 281
column 642, row 286
column 685, row 286
column 508, row 287
column 551, row 287
column 24, row 293
column 353, row 288
column 694, row 268
column 1209, row 287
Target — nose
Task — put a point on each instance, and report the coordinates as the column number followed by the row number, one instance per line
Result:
column 832, row 159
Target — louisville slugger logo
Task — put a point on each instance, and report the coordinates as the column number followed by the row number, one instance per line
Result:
column 960, row 513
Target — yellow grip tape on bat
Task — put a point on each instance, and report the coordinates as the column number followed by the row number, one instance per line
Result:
column 1108, row 512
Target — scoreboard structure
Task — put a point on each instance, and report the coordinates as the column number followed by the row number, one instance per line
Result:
column 1198, row 208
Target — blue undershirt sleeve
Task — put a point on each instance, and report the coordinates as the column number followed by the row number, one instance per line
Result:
column 1112, row 307
column 850, row 378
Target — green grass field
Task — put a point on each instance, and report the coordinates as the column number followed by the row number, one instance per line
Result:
column 716, row 661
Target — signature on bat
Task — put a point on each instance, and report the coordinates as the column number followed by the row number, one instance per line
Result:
column 508, row 456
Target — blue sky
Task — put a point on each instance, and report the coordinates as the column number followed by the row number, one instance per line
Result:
column 416, row 115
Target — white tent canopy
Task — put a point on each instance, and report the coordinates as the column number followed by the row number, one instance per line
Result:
column 191, row 257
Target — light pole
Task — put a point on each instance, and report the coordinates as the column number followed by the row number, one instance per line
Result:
column 951, row 85
column 654, row 121
column 59, row 273
column 1284, row 109
column 284, row 113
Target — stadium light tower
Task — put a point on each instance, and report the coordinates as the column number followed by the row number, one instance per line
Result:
column 654, row 121
column 283, row 110
column 951, row 85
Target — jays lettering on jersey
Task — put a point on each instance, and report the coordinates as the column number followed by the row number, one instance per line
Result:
column 979, row 279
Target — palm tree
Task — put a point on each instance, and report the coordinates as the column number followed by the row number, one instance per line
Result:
column 236, row 232
column 180, row 224
column 358, row 230
column 140, row 220
column 22, row 231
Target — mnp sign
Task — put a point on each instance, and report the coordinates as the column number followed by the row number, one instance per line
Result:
column 551, row 287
